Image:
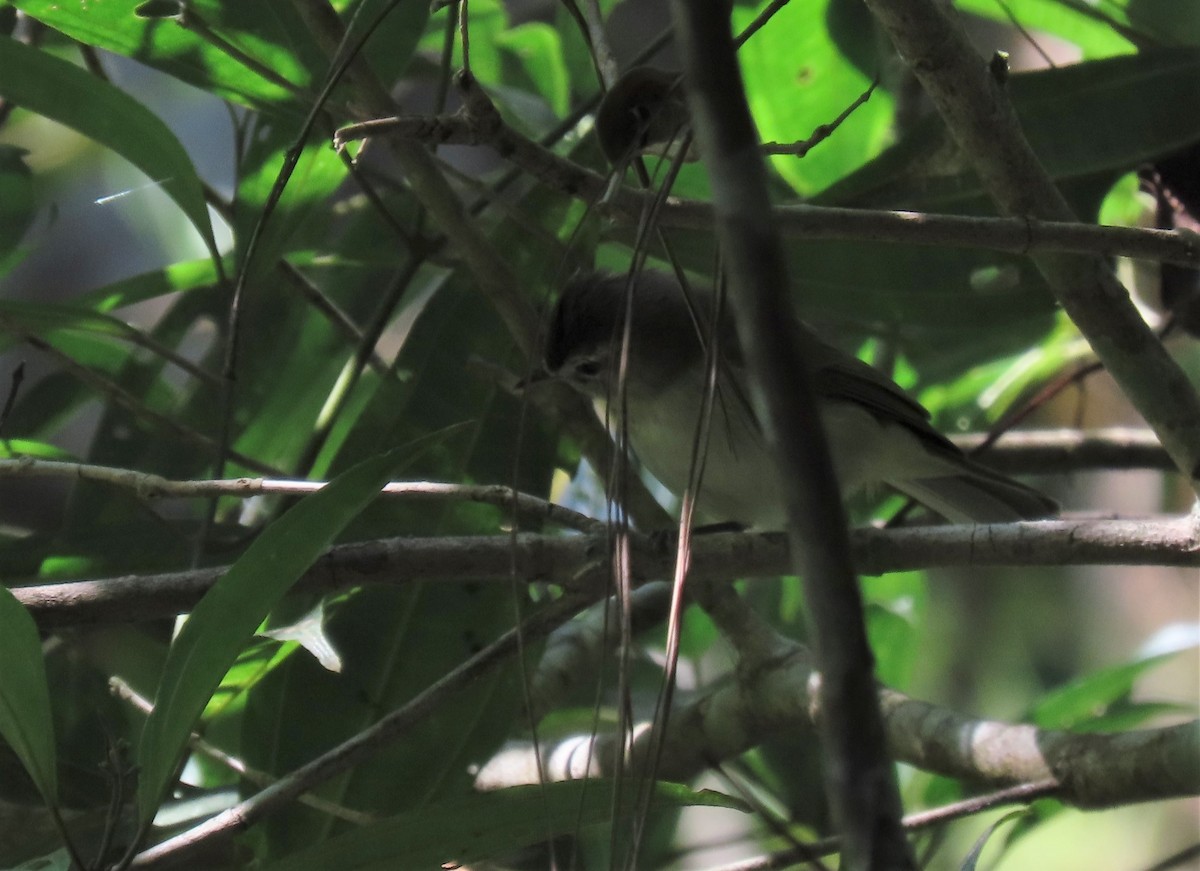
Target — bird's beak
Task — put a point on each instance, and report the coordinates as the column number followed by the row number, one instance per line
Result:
column 538, row 376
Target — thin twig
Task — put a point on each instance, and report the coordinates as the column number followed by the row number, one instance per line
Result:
column 823, row 132
column 14, row 387
column 1022, row 794
column 123, row 690
column 150, row 486
column 189, row 20
column 338, row 318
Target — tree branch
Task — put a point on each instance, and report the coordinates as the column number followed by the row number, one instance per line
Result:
column 576, row 562
column 860, row 779
column 484, row 126
column 1022, row 451
column 1091, row 770
column 1055, row 452
column 1094, row 770
column 150, row 486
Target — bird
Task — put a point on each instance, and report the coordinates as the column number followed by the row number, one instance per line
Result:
column 878, row 435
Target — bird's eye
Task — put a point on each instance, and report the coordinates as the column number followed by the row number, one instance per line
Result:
column 588, row 368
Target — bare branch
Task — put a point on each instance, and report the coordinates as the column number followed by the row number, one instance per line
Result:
column 151, row 486
column 1093, row 770
column 1089, row 770
column 575, row 562
column 1055, row 452
column 1014, row 235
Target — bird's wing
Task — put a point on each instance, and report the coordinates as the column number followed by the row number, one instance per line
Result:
column 838, row 376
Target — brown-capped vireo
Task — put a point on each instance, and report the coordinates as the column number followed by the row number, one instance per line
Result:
column 877, row 433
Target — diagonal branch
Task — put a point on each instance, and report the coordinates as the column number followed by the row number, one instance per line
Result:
column 1091, row 770
column 980, row 117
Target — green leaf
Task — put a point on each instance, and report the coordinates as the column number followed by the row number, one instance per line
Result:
column 186, row 275
column 1089, row 697
column 16, row 201
column 64, row 93
column 803, row 70
column 1100, row 29
column 1066, row 114
column 25, row 721
column 1072, row 22
column 269, row 31
column 892, row 630
column 229, row 613
column 484, row 825
column 11, row 449
column 972, row 858
column 538, row 48
column 1125, row 716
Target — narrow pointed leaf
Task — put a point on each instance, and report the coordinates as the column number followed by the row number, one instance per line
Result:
column 25, row 722
column 225, row 619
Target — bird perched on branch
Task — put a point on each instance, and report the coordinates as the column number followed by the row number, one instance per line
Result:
column 877, row 434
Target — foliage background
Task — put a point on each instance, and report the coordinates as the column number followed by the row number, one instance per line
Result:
column 87, row 238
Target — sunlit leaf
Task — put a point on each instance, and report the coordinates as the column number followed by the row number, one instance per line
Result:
column 811, row 62
column 64, row 93
column 268, row 32
column 1080, row 23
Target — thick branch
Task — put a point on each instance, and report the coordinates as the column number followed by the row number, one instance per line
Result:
column 978, row 114
column 577, row 562
column 1092, row 770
